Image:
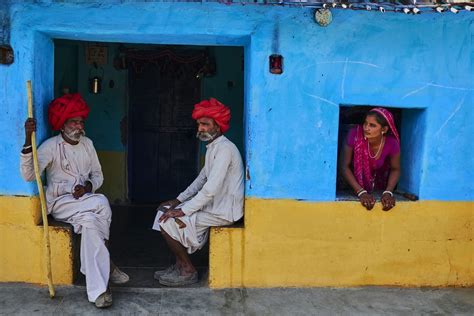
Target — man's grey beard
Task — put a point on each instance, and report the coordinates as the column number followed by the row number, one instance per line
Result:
column 205, row 136
column 74, row 134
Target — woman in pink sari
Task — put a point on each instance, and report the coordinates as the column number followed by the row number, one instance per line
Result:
column 374, row 150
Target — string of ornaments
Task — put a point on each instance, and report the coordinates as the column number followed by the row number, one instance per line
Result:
column 407, row 7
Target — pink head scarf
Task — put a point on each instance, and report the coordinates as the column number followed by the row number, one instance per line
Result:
column 363, row 165
column 390, row 120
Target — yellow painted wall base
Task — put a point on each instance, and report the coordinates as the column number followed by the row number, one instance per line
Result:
column 22, row 248
column 301, row 244
column 288, row 244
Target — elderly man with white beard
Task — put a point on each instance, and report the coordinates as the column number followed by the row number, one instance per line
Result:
column 214, row 198
column 73, row 174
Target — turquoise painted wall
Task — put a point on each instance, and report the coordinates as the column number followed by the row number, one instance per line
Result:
column 107, row 108
column 228, row 71
column 291, row 121
column 65, row 67
column 110, row 106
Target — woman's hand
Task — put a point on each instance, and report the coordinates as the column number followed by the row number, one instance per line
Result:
column 388, row 201
column 367, row 200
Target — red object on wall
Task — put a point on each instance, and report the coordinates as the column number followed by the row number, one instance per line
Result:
column 6, row 55
column 276, row 64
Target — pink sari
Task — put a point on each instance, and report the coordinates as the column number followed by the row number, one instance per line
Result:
column 364, row 166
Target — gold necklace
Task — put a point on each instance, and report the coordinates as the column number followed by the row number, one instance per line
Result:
column 378, row 150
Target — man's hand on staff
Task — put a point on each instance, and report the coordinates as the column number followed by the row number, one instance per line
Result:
column 171, row 214
column 30, row 127
column 80, row 190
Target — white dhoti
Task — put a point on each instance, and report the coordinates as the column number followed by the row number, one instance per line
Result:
column 90, row 216
column 195, row 234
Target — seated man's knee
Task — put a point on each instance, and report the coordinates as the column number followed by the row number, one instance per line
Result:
column 163, row 229
column 103, row 206
column 102, row 200
column 166, row 227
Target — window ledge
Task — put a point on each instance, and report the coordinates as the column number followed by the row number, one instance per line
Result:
column 349, row 196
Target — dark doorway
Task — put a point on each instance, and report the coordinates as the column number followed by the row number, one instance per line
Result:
column 164, row 156
column 144, row 135
column 163, row 150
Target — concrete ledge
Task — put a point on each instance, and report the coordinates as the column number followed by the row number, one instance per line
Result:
column 226, row 257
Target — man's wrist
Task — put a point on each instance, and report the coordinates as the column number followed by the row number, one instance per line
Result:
column 27, row 151
column 88, row 186
column 186, row 211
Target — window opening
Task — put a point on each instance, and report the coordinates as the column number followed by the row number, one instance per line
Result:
column 410, row 126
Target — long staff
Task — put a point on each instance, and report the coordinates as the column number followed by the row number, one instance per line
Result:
column 47, row 245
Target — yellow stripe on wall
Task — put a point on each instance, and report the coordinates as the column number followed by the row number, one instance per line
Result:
column 287, row 243
column 22, row 253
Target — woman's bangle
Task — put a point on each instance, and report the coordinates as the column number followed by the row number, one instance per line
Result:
column 27, row 147
column 361, row 192
column 388, row 192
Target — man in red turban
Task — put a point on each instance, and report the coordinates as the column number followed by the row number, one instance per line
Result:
column 66, row 107
column 215, row 110
column 73, row 174
column 215, row 198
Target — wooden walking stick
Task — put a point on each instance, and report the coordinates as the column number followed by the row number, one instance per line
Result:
column 47, row 246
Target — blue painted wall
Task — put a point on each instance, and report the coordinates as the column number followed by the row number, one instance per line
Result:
column 291, row 121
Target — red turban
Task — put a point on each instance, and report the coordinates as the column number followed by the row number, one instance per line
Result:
column 215, row 110
column 63, row 108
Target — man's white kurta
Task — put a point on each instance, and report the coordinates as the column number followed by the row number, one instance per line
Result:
column 215, row 198
column 219, row 188
column 66, row 166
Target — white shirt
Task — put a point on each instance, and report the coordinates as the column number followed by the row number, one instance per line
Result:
column 219, row 187
column 66, row 166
